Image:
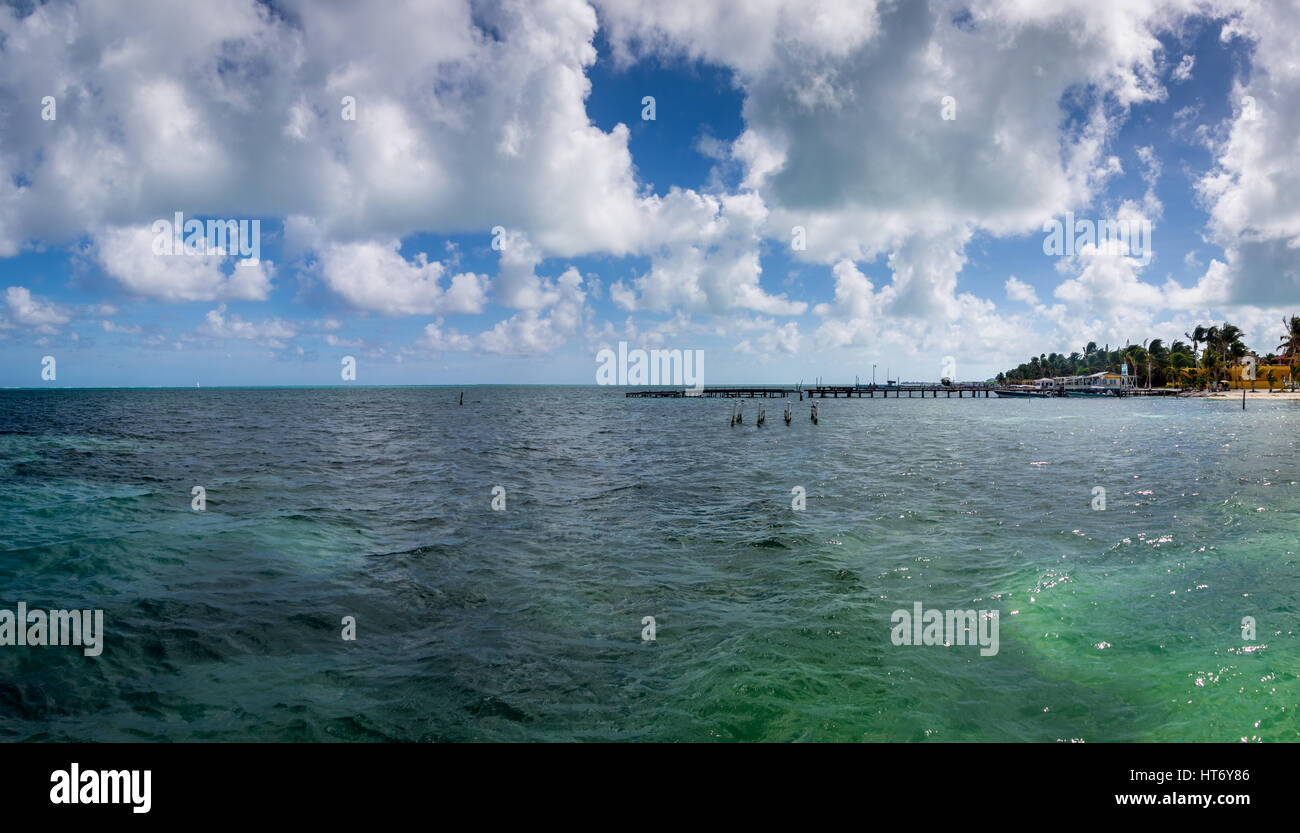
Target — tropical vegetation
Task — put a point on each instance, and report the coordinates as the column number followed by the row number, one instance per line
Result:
column 1199, row 362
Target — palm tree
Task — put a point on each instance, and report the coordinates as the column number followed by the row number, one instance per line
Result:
column 1271, row 376
column 1134, row 356
column 1290, row 345
column 1209, row 366
column 1157, row 362
column 1181, row 362
column 1213, row 351
column 1196, row 336
column 1230, row 343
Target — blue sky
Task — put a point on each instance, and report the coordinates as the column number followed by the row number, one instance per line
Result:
column 923, row 226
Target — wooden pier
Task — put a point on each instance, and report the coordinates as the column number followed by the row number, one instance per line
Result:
column 727, row 393
column 820, row 392
column 911, row 391
column 859, row 391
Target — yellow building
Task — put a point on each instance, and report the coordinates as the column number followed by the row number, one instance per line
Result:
column 1281, row 376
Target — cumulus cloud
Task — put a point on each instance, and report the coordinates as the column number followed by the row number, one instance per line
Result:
column 220, row 325
column 1018, row 290
column 893, row 134
column 972, row 332
column 374, row 276
column 1253, row 191
column 528, row 332
column 873, row 145
column 900, row 130
column 749, row 36
column 705, row 257
column 770, row 339
column 466, row 116
column 127, row 254
column 22, row 309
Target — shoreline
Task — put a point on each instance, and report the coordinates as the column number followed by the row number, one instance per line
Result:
column 1250, row 395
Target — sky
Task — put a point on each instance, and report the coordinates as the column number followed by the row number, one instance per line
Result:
column 485, row 192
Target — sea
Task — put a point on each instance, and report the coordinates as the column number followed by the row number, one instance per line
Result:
column 549, row 563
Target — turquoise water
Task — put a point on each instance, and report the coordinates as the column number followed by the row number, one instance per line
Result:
column 526, row 623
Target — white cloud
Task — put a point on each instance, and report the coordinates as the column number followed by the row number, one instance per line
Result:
column 467, row 116
column 528, row 332
column 845, row 136
column 771, row 339
column 1253, row 192
column 127, row 254
column 27, row 310
column 972, row 331
column 374, row 276
column 1151, row 169
column 473, row 115
column 704, row 257
column 1018, row 290
column 335, row 341
column 219, row 325
column 745, row 36
column 868, row 157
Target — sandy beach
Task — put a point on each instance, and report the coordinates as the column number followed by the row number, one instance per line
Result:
column 1250, row 395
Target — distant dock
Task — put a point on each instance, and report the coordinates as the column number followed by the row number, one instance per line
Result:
column 727, row 393
column 921, row 390
column 817, row 392
column 859, row 391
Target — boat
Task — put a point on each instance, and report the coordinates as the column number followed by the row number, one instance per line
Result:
column 1098, row 384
